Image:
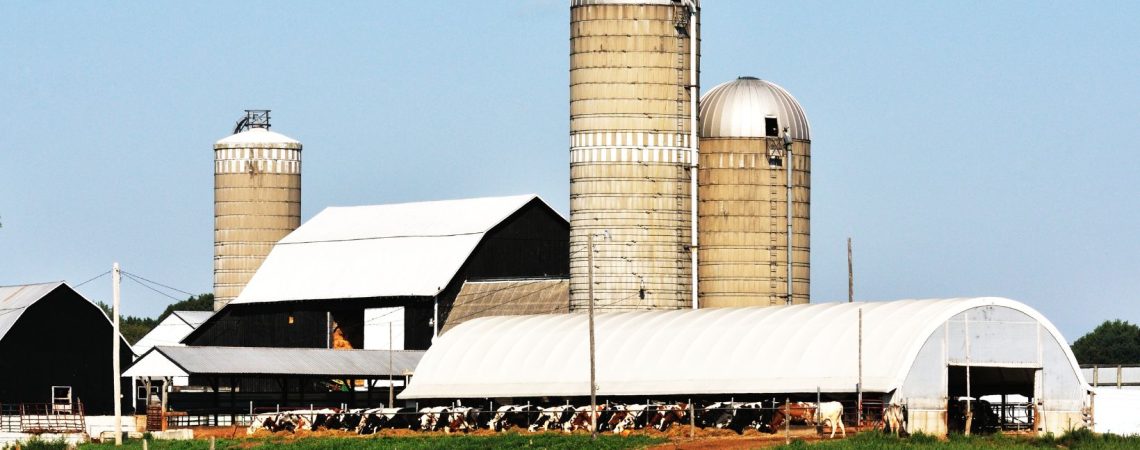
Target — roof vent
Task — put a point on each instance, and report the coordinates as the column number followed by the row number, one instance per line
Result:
column 254, row 118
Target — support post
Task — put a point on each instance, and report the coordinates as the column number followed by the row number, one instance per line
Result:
column 115, row 279
column 435, row 318
column 391, row 384
column 969, row 398
column 593, row 381
column 787, row 421
column 694, row 139
column 859, row 387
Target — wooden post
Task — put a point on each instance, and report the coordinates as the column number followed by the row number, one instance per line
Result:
column 692, row 419
column 593, row 380
column 211, row 443
column 859, row 387
column 166, row 382
column 969, row 399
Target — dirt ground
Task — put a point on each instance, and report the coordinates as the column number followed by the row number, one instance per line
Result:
column 678, row 436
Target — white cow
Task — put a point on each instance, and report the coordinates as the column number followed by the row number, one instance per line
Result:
column 831, row 411
column 893, row 417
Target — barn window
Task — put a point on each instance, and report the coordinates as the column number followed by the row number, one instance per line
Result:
column 771, row 127
column 290, row 319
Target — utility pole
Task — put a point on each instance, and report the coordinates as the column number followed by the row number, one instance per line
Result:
column 593, row 381
column 850, row 274
column 391, row 384
column 115, row 354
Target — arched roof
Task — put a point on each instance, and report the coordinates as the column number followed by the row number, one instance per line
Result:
column 737, row 109
column 709, row 351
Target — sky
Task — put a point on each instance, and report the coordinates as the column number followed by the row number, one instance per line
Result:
column 969, row 148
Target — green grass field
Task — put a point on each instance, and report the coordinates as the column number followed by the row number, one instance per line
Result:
column 1079, row 440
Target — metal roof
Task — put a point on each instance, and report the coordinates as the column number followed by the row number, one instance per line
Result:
column 405, row 249
column 508, row 298
column 183, row 361
column 780, row 349
column 193, row 318
column 171, row 330
column 738, row 108
column 14, row 300
column 256, row 137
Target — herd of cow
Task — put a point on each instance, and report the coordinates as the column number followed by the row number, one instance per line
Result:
column 616, row 418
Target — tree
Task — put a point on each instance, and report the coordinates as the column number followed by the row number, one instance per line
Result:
column 134, row 328
column 1112, row 342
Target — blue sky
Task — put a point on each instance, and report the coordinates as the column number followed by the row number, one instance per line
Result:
column 968, row 148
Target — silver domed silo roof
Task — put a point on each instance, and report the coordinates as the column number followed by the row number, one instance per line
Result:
column 738, row 108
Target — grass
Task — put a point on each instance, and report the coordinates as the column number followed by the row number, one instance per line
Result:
column 504, row 440
column 1076, row 440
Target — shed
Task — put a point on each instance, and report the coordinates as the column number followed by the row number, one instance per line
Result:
column 914, row 352
column 171, row 330
column 348, row 273
column 50, row 335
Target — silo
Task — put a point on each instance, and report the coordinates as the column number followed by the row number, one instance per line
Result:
column 743, row 195
column 257, row 200
column 632, row 141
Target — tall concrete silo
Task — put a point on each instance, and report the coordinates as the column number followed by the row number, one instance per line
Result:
column 633, row 79
column 743, row 196
column 257, row 200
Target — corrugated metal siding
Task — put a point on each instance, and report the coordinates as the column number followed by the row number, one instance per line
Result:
column 290, row 361
column 509, row 298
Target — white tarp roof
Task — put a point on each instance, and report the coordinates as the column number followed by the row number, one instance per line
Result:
column 171, row 330
column 405, row 249
column 708, row 351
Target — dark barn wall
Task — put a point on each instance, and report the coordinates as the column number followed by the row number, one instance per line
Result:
column 268, row 325
column 62, row 340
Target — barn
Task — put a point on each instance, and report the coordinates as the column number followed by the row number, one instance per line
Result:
column 52, row 336
column 924, row 354
column 350, row 277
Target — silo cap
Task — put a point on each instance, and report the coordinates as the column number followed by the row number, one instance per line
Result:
column 256, row 136
column 738, row 109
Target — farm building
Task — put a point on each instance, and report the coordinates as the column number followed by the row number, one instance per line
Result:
column 50, row 335
column 171, row 330
column 350, row 276
column 913, row 352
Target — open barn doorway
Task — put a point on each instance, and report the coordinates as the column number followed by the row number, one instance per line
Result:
column 1001, row 398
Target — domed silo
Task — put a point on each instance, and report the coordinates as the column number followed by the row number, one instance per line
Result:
column 257, row 200
column 743, row 196
column 632, row 137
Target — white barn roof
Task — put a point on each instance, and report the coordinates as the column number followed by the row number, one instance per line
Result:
column 405, row 249
column 786, row 349
column 171, row 330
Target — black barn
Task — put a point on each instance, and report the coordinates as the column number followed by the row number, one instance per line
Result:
column 50, row 335
column 292, row 301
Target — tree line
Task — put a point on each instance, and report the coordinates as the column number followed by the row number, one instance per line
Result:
column 134, row 328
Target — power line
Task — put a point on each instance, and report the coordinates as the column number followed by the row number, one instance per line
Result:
column 155, row 282
column 91, row 279
column 132, row 278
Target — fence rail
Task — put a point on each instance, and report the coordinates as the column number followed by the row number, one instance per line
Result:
column 41, row 418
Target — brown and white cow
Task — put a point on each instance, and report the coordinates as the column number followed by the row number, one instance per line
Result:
column 894, row 418
column 667, row 415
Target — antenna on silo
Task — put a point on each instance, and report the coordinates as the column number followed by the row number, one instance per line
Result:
column 254, row 118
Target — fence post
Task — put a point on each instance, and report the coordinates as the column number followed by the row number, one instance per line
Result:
column 787, row 422
column 692, row 420
column 211, row 443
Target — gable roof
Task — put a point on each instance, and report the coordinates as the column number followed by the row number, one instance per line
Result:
column 171, row 330
column 404, row 249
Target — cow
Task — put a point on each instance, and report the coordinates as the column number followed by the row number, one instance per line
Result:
column 458, row 419
column 635, row 417
column 894, row 418
column 748, row 415
column 583, row 419
column 831, row 412
column 508, row 416
column 433, row 418
column 552, row 417
column 668, row 414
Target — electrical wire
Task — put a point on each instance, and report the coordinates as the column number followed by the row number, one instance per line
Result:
column 155, row 282
column 91, row 279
